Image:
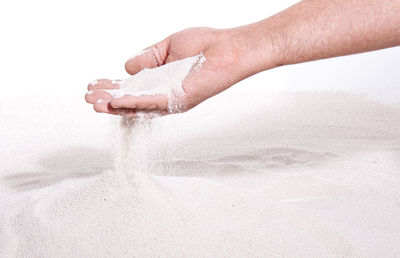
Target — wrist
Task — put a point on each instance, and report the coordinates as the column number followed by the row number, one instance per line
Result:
column 260, row 45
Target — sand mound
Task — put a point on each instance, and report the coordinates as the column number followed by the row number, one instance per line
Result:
column 295, row 174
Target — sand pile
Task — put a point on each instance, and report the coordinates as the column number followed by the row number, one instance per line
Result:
column 292, row 174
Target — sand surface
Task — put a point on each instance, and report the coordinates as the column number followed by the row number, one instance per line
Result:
column 290, row 175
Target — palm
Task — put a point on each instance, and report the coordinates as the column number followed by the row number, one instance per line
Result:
column 212, row 78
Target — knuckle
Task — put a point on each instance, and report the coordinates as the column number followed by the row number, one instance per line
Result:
column 156, row 53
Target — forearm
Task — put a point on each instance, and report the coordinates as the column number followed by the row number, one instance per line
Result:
column 317, row 29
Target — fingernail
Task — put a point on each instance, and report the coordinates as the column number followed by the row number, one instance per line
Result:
column 89, row 92
column 99, row 101
column 94, row 82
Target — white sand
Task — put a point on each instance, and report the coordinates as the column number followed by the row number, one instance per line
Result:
column 163, row 80
column 291, row 175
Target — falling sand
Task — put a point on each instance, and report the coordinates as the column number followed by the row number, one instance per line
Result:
column 291, row 175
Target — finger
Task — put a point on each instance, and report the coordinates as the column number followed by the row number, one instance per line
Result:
column 94, row 95
column 145, row 102
column 148, row 58
column 102, row 106
column 104, row 84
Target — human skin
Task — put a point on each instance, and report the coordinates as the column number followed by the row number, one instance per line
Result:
column 309, row 30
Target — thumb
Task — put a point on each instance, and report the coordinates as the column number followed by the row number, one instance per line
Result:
column 148, row 58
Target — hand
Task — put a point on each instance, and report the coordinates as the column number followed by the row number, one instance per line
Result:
column 309, row 30
column 227, row 62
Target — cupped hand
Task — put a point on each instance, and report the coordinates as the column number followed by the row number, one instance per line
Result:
column 227, row 62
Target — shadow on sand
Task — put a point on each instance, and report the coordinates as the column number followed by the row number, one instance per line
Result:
column 256, row 161
column 75, row 163
column 69, row 163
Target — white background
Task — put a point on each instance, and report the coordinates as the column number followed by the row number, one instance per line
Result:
column 53, row 48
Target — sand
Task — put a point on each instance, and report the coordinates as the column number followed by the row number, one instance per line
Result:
column 291, row 175
column 163, row 80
